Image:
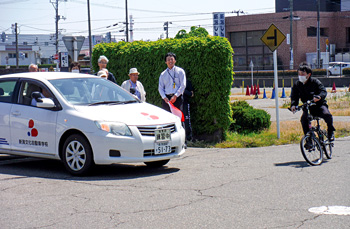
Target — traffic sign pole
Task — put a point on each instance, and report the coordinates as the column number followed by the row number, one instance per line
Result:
column 273, row 38
column 276, row 92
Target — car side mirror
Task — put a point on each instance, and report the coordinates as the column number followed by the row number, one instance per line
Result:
column 45, row 103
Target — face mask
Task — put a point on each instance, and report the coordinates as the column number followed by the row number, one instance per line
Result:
column 302, row 79
column 75, row 70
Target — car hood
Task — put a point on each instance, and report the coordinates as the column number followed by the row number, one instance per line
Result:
column 131, row 114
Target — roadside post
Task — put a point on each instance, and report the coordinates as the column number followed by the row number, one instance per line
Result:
column 251, row 69
column 273, row 38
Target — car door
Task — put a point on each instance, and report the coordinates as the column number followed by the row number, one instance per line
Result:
column 7, row 89
column 33, row 129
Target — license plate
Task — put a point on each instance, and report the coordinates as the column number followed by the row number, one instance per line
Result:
column 162, row 135
column 162, row 148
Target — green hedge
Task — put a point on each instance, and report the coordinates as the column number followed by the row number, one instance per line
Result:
column 247, row 119
column 207, row 62
column 346, row 71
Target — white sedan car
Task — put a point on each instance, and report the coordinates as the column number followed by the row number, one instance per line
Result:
column 83, row 120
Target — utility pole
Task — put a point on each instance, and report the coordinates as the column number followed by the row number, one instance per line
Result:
column 318, row 34
column 89, row 24
column 131, row 29
column 291, row 64
column 166, row 28
column 126, row 20
column 238, row 12
column 16, row 32
column 58, row 17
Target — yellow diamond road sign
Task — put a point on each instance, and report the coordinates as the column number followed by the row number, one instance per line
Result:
column 273, row 37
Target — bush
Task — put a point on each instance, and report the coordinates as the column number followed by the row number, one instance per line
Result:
column 247, row 119
column 207, row 62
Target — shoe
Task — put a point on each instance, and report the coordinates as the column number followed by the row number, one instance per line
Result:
column 308, row 144
column 331, row 137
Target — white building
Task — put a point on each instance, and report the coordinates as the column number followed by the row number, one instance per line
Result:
column 36, row 48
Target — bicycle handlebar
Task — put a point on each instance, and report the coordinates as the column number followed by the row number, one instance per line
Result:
column 308, row 103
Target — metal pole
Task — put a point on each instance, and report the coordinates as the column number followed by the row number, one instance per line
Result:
column 167, row 28
column 276, row 92
column 89, row 24
column 318, row 33
column 57, row 18
column 16, row 32
column 291, row 66
column 126, row 19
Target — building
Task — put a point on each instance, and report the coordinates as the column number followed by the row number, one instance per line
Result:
column 309, row 5
column 37, row 48
column 244, row 33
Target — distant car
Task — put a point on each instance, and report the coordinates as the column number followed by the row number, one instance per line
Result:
column 83, row 120
column 335, row 67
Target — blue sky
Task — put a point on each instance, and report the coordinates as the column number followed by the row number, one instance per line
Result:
column 38, row 16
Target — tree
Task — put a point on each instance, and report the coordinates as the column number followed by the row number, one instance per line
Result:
column 195, row 32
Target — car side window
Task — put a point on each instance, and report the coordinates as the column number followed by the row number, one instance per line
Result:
column 6, row 90
column 26, row 93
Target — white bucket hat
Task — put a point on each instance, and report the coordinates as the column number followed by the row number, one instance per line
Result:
column 133, row 70
column 102, row 74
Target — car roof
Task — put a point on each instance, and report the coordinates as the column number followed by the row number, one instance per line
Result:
column 48, row 75
column 339, row 62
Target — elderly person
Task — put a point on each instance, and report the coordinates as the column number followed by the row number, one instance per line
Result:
column 33, row 68
column 102, row 63
column 134, row 86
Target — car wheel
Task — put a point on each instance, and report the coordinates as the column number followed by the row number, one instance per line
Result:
column 156, row 164
column 77, row 155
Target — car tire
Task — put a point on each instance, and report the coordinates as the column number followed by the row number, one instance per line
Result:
column 77, row 155
column 157, row 164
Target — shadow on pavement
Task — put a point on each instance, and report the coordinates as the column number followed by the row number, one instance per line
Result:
column 295, row 164
column 54, row 169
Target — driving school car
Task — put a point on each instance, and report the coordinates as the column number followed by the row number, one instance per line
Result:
column 83, row 120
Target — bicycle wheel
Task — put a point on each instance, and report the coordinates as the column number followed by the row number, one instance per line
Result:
column 311, row 150
column 328, row 151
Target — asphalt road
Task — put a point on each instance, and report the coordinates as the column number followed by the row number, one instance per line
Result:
column 269, row 187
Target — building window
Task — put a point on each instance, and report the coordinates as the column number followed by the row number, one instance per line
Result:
column 12, row 55
column 247, row 46
column 312, row 32
column 46, row 43
column 25, row 43
column 238, row 39
column 253, row 38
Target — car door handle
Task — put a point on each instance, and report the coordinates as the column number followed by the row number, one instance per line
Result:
column 16, row 113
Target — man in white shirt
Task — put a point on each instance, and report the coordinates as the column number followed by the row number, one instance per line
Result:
column 134, row 86
column 172, row 83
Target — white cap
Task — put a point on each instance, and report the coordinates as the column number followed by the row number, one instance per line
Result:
column 133, row 70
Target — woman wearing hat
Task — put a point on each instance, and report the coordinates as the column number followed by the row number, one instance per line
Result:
column 134, row 86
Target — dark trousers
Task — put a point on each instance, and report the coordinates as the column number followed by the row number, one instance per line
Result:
column 178, row 103
column 321, row 112
column 187, row 114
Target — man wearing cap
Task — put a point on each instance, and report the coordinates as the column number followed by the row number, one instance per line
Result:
column 172, row 83
column 134, row 86
column 102, row 63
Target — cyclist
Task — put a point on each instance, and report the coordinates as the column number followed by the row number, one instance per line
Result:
column 309, row 88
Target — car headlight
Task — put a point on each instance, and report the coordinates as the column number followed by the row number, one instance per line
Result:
column 116, row 128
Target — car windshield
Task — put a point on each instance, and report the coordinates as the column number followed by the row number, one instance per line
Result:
column 92, row 91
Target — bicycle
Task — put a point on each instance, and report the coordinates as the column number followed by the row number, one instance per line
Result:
column 316, row 141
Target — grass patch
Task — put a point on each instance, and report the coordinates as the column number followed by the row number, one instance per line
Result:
column 339, row 105
column 290, row 132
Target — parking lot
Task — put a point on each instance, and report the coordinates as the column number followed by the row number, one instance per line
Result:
column 268, row 187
